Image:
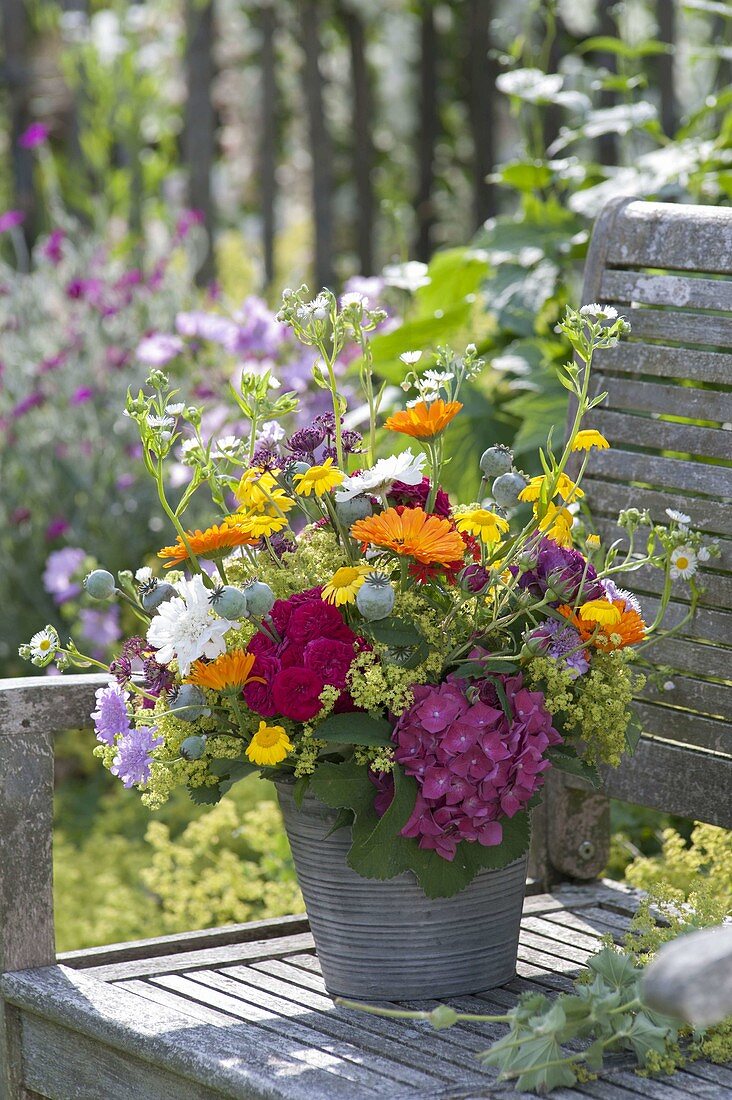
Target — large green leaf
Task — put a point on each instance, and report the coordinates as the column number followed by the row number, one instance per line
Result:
column 355, row 728
column 565, row 759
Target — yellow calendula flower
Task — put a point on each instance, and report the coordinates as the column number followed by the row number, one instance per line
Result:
column 587, row 438
column 593, row 541
column 269, row 745
column 256, row 487
column 557, row 524
column 484, row 524
column 599, row 611
column 565, row 488
column 262, row 524
column 318, row 479
column 344, row 584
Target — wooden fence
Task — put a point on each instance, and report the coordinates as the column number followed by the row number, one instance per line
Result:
column 476, row 88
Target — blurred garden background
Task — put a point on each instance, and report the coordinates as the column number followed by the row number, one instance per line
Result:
column 166, row 168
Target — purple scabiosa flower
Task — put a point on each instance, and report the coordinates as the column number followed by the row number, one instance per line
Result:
column 474, row 763
column 560, row 642
column 10, row 219
column 34, row 135
column 111, row 718
column 52, row 249
column 134, row 755
column 632, row 603
column 58, row 576
column 100, row 627
column 158, row 349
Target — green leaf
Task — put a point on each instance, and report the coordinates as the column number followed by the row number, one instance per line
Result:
column 618, row 970
column 298, row 791
column 566, row 759
column 395, row 633
column 633, row 733
column 342, row 821
column 378, row 851
column 205, row 796
column 355, row 728
column 644, row 1037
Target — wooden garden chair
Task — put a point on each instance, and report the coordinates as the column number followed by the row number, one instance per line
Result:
column 242, row 1011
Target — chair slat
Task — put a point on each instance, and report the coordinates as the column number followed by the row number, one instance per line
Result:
column 706, row 330
column 676, row 780
column 655, row 471
column 670, row 237
column 608, row 529
column 661, row 399
column 660, row 434
column 691, row 729
column 717, row 587
column 689, row 656
column 700, row 696
column 607, row 497
column 666, row 290
column 634, row 357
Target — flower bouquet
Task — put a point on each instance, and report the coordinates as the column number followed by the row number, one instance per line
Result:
column 406, row 668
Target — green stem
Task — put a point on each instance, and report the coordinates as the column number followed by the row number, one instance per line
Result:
column 173, row 518
column 404, row 1014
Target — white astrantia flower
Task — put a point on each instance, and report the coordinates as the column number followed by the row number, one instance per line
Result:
column 409, row 276
column 409, row 358
column 678, row 517
column 404, row 467
column 186, row 627
column 600, row 313
column 683, row 563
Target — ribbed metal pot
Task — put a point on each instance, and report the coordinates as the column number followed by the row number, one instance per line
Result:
column 387, row 940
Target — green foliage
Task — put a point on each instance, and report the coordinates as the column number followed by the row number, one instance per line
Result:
column 700, row 868
column 378, row 851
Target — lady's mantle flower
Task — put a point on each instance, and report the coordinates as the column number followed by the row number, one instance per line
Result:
column 269, row 745
column 404, row 468
column 185, row 628
column 683, row 563
column 343, row 586
column 111, row 718
column 134, row 755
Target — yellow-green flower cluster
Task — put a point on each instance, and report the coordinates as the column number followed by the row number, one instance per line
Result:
column 592, row 710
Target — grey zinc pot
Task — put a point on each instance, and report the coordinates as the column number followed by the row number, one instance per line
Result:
column 387, row 940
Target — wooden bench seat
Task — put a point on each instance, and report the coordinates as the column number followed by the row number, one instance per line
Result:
column 242, row 1012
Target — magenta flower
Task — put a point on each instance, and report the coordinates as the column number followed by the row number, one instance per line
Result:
column 35, row 135
column 296, row 693
column 10, row 219
column 32, row 401
column 81, row 395
column 57, row 527
column 51, row 248
column 473, row 764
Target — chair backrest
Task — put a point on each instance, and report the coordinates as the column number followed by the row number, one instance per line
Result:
column 668, row 415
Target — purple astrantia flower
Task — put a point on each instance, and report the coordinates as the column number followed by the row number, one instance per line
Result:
column 100, row 627
column 34, row 136
column 473, row 763
column 561, row 643
column 614, row 593
column 563, row 572
column 111, row 717
column 10, row 219
column 159, row 349
column 58, row 576
column 129, row 659
column 133, row 760
column 51, row 249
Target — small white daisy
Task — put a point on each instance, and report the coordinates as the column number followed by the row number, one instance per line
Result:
column 409, row 276
column 600, row 313
column 409, row 358
column 437, row 377
column 44, row 644
column 669, row 685
column 404, row 467
column 353, row 298
column 677, row 517
column 683, row 563
column 703, row 554
column 176, row 409
column 160, row 422
column 186, row 628
column 226, row 447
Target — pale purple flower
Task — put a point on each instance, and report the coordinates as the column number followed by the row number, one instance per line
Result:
column 100, row 626
column 10, row 219
column 257, row 331
column 34, row 136
column 134, row 755
column 159, row 349
column 560, row 642
column 58, row 576
column 186, row 221
column 32, row 401
column 111, row 717
column 81, row 395
column 614, row 593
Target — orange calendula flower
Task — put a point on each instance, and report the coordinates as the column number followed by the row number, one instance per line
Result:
column 229, row 672
column 413, row 533
column 425, row 420
column 211, row 543
column 628, row 629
